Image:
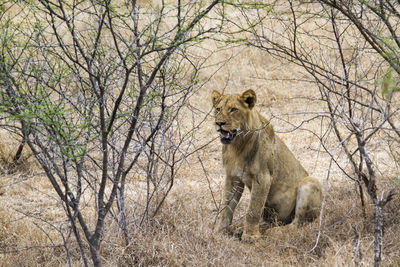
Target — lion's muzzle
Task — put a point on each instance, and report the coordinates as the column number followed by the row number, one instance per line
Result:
column 227, row 136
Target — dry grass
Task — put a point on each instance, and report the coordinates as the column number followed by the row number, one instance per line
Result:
column 183, row 233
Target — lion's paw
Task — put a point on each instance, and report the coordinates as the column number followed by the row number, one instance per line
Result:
column 250, row 238
column 227, row 230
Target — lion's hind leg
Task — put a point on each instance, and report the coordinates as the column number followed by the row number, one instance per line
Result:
column 308, row 200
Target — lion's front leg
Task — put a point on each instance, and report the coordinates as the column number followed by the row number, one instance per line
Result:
column 232, row 193
column 259, row 192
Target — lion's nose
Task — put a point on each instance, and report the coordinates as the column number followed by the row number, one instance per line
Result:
column 220, row 123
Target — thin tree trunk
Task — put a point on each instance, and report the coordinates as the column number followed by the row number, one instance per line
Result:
column 94, row 251
column 378, row 232
column 361, row 198
column 378, row 226
column 356, row 249
column 19, row 151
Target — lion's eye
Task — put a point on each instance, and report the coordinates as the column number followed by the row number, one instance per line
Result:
column 217, row 110
column 233, row 110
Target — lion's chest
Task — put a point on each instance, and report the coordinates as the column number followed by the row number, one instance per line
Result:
column 236, row 168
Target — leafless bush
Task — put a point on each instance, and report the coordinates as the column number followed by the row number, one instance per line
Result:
column 95, row 89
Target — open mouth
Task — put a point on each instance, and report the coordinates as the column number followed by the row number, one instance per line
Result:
column 227, row 136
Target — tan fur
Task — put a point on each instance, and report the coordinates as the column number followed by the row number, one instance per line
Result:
column 254, row 156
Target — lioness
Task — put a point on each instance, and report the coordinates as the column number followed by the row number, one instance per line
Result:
column 254, row 156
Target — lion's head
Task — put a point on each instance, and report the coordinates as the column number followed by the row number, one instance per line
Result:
column 232, row 113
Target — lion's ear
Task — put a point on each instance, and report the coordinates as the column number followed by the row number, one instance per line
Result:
column 250, row 98
column 215, row 97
